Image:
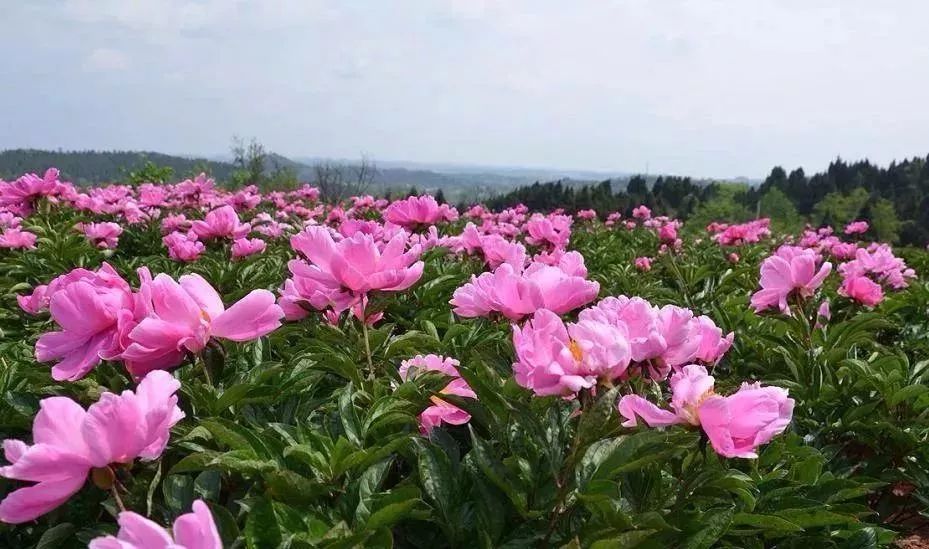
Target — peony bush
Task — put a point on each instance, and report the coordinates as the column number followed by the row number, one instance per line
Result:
column 189, row 366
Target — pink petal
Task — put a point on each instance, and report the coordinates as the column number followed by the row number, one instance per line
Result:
column 251, row 317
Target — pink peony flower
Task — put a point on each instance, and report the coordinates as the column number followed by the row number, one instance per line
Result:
column 182, row 317
column 194, row 530
column 358, row 265
column 790, row 271
column 862, row 289
column 736, row 424
column 440, row 411
column 16, row 238
column 712, row 343
column 554, row 359
column 419, row 210
column 641, row 212
column 857, row 227
column 660, row 338
column 102, row 235
column 68, row 442
column 28, row 188
column 244, row 247
column 35, row 302
column 643, row 264
column 553, row 231
column 222, row 222
column 183, row 247
column 517, row 294
column 87, row 306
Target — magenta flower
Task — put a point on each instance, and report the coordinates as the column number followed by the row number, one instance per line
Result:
column 554, row 359
column 222, row 222
column 862, row 289
column 736, row 424
column 194, row 530
column 244, row 247
column 101, row 235
column 440, row 411
column 87, row 306
column 68, row 442
column 16, row 238
column 790, row 271
column 182, row 317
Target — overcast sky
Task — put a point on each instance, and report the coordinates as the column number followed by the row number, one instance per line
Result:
column 697, row 88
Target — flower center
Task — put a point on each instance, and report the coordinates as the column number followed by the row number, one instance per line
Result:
column 576, row 351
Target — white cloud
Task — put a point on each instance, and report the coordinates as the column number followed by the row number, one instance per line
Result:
column 106, row 60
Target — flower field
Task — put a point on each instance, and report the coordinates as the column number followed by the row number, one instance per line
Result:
column 189, row 366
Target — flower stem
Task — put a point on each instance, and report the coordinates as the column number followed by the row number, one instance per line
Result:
column 364, row 331
column 119, row 500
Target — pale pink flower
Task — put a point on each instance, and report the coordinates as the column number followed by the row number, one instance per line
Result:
column 712, row 343
column 440, row 411
column 736, row 424
column 419, row 210
column 554, row 359
column 68, row 442
column 642, row 212
column 244, row 247
column 790, row 271
column 87, row 306
column 660, row 338
column 358, row 265
column 222, row 222
column 182, row 316
column 857, row 227
column 102, row 235
column 643, row 264
column 16, row 238
column 194, row 530
column 183, row 247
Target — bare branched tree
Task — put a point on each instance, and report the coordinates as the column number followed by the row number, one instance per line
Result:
column 337, row 181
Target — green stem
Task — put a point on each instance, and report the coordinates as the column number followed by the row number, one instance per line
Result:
column 364, row 331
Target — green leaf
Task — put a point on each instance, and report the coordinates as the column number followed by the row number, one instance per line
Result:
column 814, row 517
column 56, row 536
column 766, row 522
column 910, row 392
column 178, row 493
column 595, row 421
column 262, row 530
column 714, row 524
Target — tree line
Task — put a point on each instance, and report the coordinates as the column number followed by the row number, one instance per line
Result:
column 893, row 199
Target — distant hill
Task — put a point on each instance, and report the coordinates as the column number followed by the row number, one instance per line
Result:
column 459, row 183
column 87, row 167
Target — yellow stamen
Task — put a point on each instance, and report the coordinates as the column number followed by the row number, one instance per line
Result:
column 576, row 351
